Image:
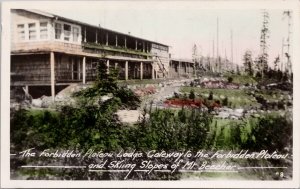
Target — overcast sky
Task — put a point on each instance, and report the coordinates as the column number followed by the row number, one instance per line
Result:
column 182, row 24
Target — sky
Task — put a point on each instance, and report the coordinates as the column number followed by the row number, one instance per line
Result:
column 183, row 24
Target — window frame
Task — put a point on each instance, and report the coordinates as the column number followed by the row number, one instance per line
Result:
column 78, row 34
column 43, row 28
column 61, row 30
column 67, row 33
column 71, row 36
column 19, row 31
column 34, row 29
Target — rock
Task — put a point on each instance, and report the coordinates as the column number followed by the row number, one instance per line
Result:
column 105, row 98
column 240, row 111
column 223, row 115
column 129, row 116
column 234, row 117
column 46, row 101
column 37, row 102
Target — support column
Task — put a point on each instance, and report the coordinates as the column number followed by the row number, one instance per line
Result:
column 135, row 44
column 134, row 70
column 78, row 70
column 126, row 70
column 146, row 47
column 116, row 40
column 96, row 37
column 152, row 74
column 83, row 70
column 84, row 34
column 116, row 65
column 106, row 39
column 141, row 70
column 143, row 46
column 52, row 72
column 125, row 42
column 187, row 68
column 107, row 65
column 170, row 70
column 179, row 68
column 72, row 68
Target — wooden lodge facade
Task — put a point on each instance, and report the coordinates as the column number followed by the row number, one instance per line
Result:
column 50, row 50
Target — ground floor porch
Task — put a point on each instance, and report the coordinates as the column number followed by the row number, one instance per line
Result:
column 181, row 68
column 53, row 69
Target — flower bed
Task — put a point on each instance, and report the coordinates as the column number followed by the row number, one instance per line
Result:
column 197, row 103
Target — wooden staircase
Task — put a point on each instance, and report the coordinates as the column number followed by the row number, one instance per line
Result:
column 162, row 72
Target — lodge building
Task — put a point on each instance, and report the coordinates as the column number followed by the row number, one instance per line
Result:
column 50, row 50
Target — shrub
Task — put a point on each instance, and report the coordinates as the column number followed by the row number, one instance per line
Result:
column 270, row 132
column 192, row 95
column 128, row 98
column 225, row 101
column 211, row 95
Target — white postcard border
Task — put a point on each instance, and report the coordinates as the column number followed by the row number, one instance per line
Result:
column 5, row 99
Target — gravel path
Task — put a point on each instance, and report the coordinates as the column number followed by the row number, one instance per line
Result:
column 166, row 91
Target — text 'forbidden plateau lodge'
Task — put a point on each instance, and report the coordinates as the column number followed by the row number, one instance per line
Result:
column 50, row 51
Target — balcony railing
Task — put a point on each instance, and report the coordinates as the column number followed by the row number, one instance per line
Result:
column 115, row 49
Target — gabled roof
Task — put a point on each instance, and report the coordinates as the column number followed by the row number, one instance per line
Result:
column 50, row 15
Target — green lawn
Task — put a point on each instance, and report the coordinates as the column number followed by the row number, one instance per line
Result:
column 241, row 79
column 237, row 98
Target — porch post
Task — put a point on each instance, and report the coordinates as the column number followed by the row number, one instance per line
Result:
column 126, row 70
column 135, row 44
column 83, row 71
column 78, row 68
column 106, row 39
column 170, row 69
column 179, row 68
column 152, row 75
column 84, row 34
column 141, row 70
column 116, row 40
column 125, row 42
column 107, row 65
column 96, row 37
column 52, row 72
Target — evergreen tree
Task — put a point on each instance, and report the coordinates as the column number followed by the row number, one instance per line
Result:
column 263, row 57
column 248, row 63
column 276, row 61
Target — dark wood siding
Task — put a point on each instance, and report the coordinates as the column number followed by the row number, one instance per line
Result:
column 30, row 69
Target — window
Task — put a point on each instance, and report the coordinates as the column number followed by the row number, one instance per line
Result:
column 67, row 32
column 58, row 31
column 21, row 32
column 32, row 31
column 75, row 34
column 43, row 30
